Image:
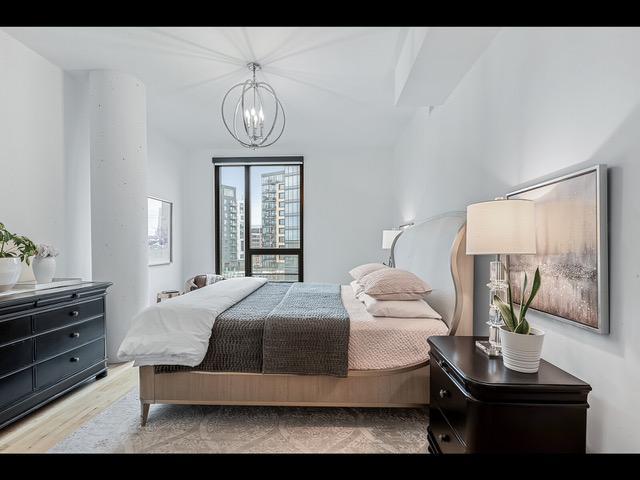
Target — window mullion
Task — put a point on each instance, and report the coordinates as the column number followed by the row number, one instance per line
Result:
column 247, row 221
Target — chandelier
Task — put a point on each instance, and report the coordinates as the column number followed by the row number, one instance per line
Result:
column 256, row 119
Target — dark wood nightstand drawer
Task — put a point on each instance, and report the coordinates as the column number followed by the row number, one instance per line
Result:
column 69, row 314
column 57, row 368
column 443, row 434
column 448, row 397
column 15, row 329
column 15, row 356
column 16, row 386
column 58, row 341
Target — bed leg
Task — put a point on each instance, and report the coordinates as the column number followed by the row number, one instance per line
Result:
column 144, row 413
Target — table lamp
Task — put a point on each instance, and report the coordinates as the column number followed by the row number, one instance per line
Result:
column 499, row 227
column 388, row 239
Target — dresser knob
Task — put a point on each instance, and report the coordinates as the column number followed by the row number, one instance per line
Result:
column 444, row 393
column 74, row 313
column 443, row 437
column 74, row 359
column 75, row 335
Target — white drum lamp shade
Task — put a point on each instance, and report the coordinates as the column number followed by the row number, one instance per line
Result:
column 388, row 236
column 501, row 227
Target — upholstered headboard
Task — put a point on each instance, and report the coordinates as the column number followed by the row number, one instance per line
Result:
column 434, row 249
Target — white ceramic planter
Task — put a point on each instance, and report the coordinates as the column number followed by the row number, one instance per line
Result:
column 522, row 352
column 44, row 269
column 10, row 269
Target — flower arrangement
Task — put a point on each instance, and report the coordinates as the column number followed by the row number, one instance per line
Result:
column 44, row 250
column 15, row 246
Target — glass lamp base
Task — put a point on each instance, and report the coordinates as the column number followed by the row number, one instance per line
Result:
column 488, row 349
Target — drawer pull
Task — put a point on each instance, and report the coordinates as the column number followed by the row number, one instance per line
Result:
column 443, row 437
column 75, row 335
column 444, row 393
column 74, row 359
column 74, row 313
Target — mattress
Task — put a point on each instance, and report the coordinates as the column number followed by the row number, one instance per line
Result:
column 384, row 342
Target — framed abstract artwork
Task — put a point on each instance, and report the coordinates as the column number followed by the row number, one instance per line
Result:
column 159, row 234
column 572, row 251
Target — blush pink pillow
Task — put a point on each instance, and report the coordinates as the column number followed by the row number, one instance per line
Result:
column 399, row 309
column 394, row 284
column 358, row 290
column 361, row 270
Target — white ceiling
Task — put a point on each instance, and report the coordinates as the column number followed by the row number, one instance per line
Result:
column 336, row 83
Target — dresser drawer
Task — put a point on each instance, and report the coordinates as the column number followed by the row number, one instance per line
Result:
column 69, row 314
column 15, row 329
column 448, row 397
column 57, row 368
column 446, row 437
column 15, row 386
column 16, row 356
column 53, row 343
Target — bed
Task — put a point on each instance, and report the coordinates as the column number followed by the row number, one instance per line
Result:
column 380, row 372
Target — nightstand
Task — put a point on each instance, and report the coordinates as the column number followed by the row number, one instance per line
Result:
column 480, row 406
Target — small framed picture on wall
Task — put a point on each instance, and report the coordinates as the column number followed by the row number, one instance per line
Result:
column 159, row 234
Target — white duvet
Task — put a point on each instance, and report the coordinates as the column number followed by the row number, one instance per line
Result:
column 177, row 331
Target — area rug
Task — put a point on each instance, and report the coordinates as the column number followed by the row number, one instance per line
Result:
column 236, row 429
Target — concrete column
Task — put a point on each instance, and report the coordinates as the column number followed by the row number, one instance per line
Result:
column 118, row 144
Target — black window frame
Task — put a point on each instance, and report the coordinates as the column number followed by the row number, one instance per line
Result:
column 249, row 252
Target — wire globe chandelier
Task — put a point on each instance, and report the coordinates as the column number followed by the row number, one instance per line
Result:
column 256, row 118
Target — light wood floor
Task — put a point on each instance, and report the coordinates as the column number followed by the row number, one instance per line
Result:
column 44, row 428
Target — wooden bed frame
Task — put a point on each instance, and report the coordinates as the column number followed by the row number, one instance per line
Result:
column 435, row 251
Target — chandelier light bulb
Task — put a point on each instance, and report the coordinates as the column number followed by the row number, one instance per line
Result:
column 243, row 112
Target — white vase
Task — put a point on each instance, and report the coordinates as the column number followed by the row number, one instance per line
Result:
column 44, row 269
column 10, row 269
column 522, row 352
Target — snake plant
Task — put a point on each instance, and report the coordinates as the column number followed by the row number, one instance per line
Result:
column 518, row 323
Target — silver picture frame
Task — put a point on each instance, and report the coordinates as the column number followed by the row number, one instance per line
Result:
column 150, row 261
column 602, row 246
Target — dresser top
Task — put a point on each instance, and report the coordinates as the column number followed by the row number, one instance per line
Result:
column 29, row 296
column 475, row 367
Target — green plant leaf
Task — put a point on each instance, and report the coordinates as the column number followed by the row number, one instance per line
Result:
column 537, row 281
column 523, row 327
column 522, row 294
column 505, row 311
column 510, row 301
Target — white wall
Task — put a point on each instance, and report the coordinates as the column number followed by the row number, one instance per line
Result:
column 346, row 207
column 32, row 181
column 167, row 161
column 539, row 101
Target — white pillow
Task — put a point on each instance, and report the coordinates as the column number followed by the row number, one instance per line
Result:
column 399, row 308
column 361, row 270
column 358, row 289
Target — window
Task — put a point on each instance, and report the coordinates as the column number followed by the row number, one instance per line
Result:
column 259, row 217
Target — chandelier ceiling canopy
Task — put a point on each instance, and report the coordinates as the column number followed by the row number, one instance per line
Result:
column 252, row 112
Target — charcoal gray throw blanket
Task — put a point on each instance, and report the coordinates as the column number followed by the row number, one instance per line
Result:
column 300, row 328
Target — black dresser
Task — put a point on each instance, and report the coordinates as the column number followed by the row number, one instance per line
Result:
column 480, row 406
column 51, row 341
